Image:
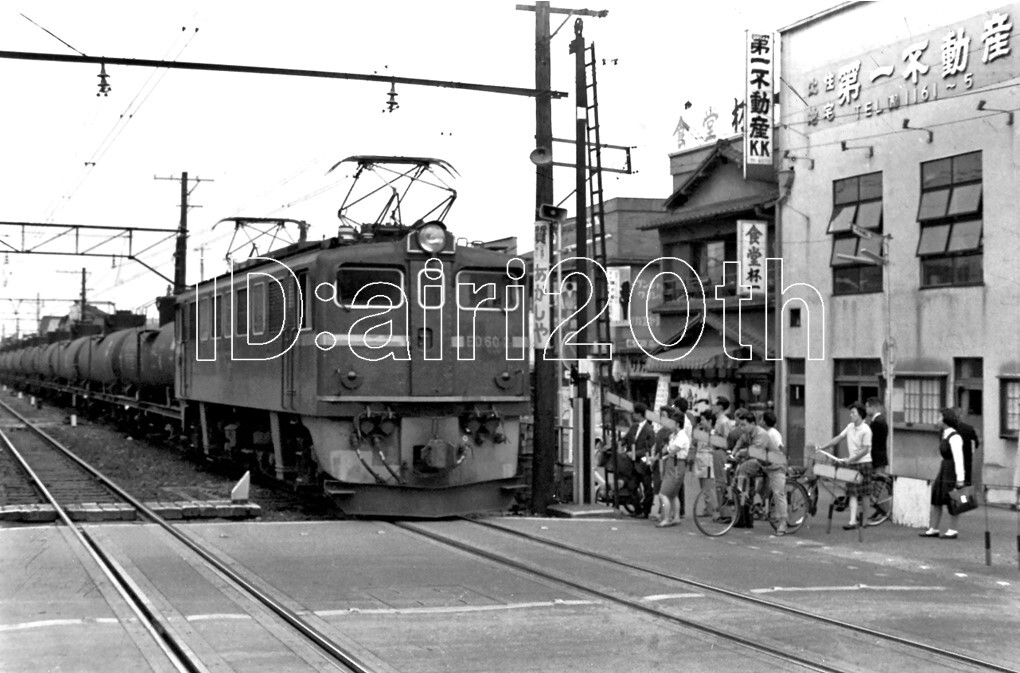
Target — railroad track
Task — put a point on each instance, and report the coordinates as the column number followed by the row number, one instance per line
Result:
column 36, row 464
column 781, row 632
column 67, row 480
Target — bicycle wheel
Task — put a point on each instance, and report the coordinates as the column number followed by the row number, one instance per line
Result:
column 797, row 506
column 881, row 499
column 715, row 509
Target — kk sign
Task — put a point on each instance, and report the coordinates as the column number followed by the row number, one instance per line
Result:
column 752, row 243
column 758, row 104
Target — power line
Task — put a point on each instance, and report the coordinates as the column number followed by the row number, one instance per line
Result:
column 52, row 34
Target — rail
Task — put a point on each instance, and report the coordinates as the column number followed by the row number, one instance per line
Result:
column 286, row 614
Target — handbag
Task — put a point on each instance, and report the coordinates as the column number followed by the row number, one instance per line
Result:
column 961, row 500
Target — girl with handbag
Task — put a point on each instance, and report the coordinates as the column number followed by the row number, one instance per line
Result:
column 952, row 474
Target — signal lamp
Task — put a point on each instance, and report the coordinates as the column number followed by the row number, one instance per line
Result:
column 366, row 425
column 432, row 237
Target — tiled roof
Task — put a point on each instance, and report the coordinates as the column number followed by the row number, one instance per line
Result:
column 707, row 212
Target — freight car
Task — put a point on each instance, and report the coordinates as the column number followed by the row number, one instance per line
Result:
column 386, row 366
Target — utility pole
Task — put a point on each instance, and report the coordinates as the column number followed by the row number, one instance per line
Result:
column 181, row 251
column 82, row 297
column 201, row 261
column 547, row 372
column 84, row 276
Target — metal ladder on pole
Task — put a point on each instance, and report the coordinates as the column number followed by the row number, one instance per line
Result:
column 597, row 216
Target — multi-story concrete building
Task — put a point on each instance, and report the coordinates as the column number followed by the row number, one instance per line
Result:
column 898, row 126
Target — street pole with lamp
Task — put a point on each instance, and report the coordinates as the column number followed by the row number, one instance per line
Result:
column 889, row 348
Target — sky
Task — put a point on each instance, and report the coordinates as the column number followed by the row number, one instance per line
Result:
column 262, row 145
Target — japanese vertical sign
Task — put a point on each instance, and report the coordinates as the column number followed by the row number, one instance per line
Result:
column 758, row 103
column 542, row 323
column 618, row 278
column 752, row 244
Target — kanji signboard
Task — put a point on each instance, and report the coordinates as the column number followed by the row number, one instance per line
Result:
column 953, row 60
column 752, row 244
column 761, row 54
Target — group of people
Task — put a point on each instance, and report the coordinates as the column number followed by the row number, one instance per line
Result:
column 662, row 456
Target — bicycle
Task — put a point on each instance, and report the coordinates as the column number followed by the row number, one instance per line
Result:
column 717, row 507
column 624, row 498
column 835, row 481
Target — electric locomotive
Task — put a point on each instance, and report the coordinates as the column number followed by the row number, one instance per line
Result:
column 386, row 366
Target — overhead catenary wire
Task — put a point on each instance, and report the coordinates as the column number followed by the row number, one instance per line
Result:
column 139, row 99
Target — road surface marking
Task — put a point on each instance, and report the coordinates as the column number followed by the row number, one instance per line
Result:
column 46, row 623
column 448, row 609
column 852, row 587
column 666, row 597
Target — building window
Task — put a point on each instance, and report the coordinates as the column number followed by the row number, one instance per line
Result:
column 968, row 382
column 794, row 317
column 855, row 381
column 707, row 259
column 950, row 215
column 856, row 202
column 922, row 399
column 1010, row 413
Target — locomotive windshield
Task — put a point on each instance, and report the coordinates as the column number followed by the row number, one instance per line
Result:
column 485, row 290
column 364, row 286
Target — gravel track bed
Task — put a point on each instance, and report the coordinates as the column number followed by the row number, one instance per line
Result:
column 152, row 472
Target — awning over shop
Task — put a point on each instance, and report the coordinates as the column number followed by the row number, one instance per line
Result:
column 750, row 332
column 700, row 357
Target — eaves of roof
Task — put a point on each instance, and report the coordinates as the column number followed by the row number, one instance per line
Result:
column 713, row 210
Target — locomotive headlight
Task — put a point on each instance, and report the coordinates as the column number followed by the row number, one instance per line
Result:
column 432, row 237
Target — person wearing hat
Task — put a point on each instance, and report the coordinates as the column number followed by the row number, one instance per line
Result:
column 952, row 474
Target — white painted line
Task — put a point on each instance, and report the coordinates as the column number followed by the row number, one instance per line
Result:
column 853, row 587
column 47, row 623
column 448, row 609
column 666, row 597
column 211, row 617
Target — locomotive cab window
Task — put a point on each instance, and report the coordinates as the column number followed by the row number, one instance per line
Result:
column 484, row 290
column 369, row 287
